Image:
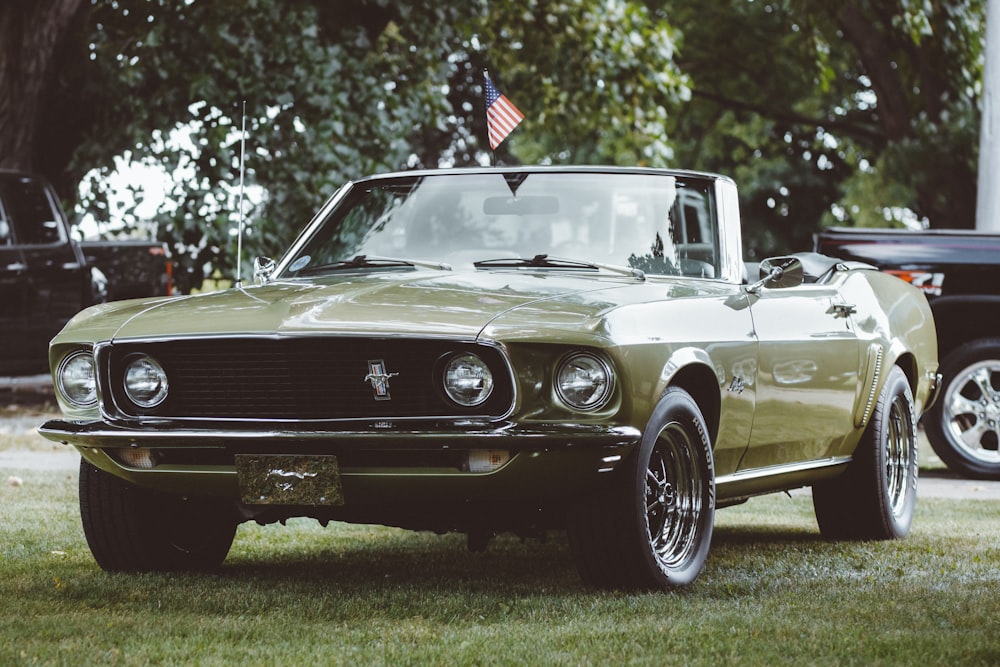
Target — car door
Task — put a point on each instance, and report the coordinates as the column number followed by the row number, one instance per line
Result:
column 52, row 281
column 13, row 300
column 808, row 360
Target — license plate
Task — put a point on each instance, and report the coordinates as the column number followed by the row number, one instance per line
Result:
column 289, row 480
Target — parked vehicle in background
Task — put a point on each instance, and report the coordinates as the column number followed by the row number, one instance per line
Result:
column 134, row 269
column 959, row 272
column 46, row 277
column 494, row 350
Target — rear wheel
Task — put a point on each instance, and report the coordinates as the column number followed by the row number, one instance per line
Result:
column 129, row 528
column 963, row 426
column 876, row 497
column 654, row 528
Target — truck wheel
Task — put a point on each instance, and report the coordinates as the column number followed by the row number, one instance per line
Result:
column 653, row 529
column 876, row 497
column 132, row 529
column 963, row 426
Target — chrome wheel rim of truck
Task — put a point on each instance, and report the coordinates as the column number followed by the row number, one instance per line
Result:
column 972, row 411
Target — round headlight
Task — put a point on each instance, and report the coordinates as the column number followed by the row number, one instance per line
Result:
column 77, row 379
column 584, row 381
column 145, row 382
column 468, row 380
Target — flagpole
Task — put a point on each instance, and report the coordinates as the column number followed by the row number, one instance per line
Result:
column 493, row 151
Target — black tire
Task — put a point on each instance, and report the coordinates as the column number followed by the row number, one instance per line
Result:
column 963, row 426
column 652, row 529
column 132, row 529
column 876, row 497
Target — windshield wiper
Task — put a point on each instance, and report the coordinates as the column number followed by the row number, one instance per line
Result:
column 538, row 262
column 547, row 262
column 368, row 262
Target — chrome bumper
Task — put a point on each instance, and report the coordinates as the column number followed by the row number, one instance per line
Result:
column 505, row 435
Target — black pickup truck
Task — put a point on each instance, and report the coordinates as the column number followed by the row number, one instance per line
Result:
column 46, row 277
column 959, row 272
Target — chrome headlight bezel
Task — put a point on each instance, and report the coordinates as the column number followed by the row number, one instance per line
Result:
column 76, row 379
column 467, row 380
column 144, row 381
column 584, row 381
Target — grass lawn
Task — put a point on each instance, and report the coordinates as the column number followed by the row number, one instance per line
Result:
column 772, row 593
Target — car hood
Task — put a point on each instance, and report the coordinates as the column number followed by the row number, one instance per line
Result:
column 437, row 304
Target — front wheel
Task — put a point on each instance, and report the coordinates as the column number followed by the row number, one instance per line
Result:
column 654, row 528
column 963, row 426
column 876, row 497
column 132, row 529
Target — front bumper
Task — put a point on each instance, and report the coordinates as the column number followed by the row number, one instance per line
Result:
column 396, row 465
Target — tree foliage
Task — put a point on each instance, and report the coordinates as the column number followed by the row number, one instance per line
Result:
column 855, row 111
column 852, row 112
column 338, row 90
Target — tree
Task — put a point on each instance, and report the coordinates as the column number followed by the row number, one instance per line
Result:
column 338, row 90
column 857, row 112
column 34, row 34
column 860, row 112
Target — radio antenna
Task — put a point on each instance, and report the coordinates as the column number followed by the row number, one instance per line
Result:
column 239, row 233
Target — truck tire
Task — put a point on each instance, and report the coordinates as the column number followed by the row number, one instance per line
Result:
column 131, row 529
column 653, row 529
column 963, row 425
column 876, row 497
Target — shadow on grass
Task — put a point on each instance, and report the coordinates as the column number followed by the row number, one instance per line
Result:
column 414, row 560
column 340, row 573
column 758, row 535
column 434, row 564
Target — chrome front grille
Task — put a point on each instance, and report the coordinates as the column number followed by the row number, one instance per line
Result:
column 315, row 378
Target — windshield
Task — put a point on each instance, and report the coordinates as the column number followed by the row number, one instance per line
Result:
column 34, row 216
column 659, row 224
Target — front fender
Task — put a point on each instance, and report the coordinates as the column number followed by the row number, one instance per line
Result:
column 683, row 358
column 724, row 388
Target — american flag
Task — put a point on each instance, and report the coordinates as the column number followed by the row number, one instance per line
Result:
column 501, row 116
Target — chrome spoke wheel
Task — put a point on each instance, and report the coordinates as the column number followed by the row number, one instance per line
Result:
column 653, row 528
column 875, row 497
column 897, row 455
column 673, row 496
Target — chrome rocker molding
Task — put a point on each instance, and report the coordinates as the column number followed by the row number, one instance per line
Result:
column 753, row 482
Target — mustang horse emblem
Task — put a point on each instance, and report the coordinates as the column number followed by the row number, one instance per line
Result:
column 379, row 378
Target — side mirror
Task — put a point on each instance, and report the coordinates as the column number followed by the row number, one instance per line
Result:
column 263, row 268
column 779, row 273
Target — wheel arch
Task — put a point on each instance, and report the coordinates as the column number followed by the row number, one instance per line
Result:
column 907, row 362
column 698, row 379
column 921, row 373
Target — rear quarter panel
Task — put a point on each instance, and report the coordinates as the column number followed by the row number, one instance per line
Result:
column 895, row 315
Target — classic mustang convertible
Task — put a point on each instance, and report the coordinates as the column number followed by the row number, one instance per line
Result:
column 502, row 350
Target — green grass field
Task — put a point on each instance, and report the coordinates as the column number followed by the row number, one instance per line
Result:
column 772, row 593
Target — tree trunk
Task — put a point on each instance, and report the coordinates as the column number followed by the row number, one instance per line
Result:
column 31, row 32
column 894, row 113
column 947, row 199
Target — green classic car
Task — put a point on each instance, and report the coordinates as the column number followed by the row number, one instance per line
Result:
column 502, row 350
